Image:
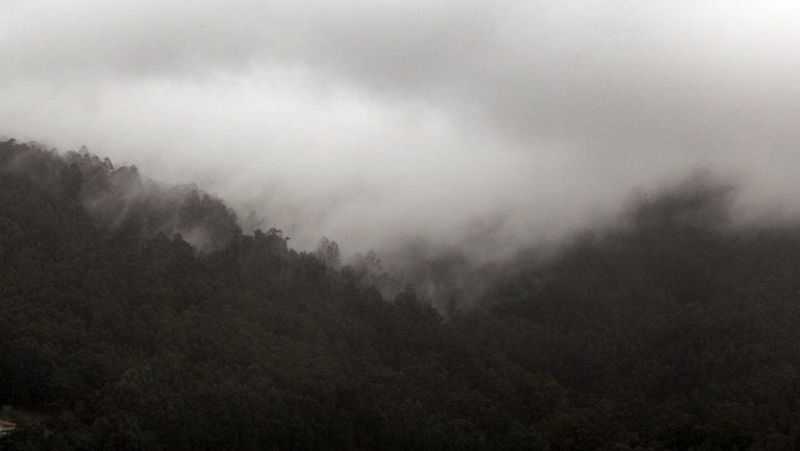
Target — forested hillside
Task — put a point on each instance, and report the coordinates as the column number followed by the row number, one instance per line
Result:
column 136, row 316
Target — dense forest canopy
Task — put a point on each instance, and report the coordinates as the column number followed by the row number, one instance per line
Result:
column 137, row 316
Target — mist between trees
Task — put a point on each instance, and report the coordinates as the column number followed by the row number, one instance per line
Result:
column 139, row 316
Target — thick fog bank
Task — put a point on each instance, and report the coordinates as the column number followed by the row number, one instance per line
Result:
column 394, row 122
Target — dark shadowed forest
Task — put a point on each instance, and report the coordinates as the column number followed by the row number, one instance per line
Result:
column 135, row 316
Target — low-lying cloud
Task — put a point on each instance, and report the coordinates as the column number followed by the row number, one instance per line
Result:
column 374, row 122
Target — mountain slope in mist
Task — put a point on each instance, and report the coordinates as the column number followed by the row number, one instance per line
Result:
column 134, row 316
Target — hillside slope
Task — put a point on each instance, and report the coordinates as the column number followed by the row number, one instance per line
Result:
column 134, row 316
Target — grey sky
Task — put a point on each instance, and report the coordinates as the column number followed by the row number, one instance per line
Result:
column 369, row 121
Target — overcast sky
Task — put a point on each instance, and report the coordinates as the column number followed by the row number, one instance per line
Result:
column 372, row 121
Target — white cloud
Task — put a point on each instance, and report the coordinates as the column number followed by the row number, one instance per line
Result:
column 372, row 121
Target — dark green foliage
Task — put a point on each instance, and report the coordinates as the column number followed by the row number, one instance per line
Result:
column 681, row 327
column 118, row 334
column 138, row 317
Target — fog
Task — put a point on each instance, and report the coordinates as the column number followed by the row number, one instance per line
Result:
column 375, row 122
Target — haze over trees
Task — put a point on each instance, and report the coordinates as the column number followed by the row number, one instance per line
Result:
column 137, row 316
